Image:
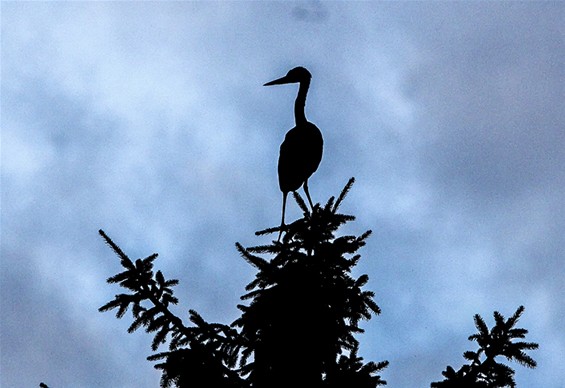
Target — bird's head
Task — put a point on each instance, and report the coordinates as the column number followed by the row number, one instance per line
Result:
column 298, row 74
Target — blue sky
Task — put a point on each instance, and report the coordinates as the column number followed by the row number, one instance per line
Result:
column 150, row 121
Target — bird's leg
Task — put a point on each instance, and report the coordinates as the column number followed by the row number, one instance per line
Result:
column 282, row 220
column 308, row 194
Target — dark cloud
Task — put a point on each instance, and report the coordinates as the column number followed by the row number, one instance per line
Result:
column 311, row 11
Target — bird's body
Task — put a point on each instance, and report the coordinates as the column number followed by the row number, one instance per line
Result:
column 300, row 156
column 301, row 150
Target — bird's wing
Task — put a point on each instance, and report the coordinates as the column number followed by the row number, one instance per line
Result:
column 300, row 155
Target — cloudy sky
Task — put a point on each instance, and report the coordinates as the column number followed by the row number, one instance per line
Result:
column 150, row 121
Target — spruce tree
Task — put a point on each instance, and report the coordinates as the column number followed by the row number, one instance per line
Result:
column 299, row 326
column 300, row 319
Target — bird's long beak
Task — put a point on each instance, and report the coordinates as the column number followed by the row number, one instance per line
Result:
column 280, row 81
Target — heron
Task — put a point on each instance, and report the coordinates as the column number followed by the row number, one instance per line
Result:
column 301, row 150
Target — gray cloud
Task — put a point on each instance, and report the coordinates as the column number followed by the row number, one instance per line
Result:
column 150, row 121
column 313, row 11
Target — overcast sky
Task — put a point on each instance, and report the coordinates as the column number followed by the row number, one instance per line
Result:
column 150, row 121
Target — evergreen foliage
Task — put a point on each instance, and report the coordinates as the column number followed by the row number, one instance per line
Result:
column 299, row 326
column 300, row 322
column 484, row 370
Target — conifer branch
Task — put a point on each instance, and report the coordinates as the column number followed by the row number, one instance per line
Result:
column 484, row 370
column 215, row 341
column 343, row 194
column 300, row 202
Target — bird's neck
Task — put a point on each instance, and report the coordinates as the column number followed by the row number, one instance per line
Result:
column 300, row 102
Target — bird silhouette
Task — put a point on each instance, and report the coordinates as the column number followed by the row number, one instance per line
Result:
column 301, row 150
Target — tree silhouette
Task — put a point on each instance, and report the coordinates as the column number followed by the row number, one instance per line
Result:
column 299, row 326
column 201, row 355
column 484, row 370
